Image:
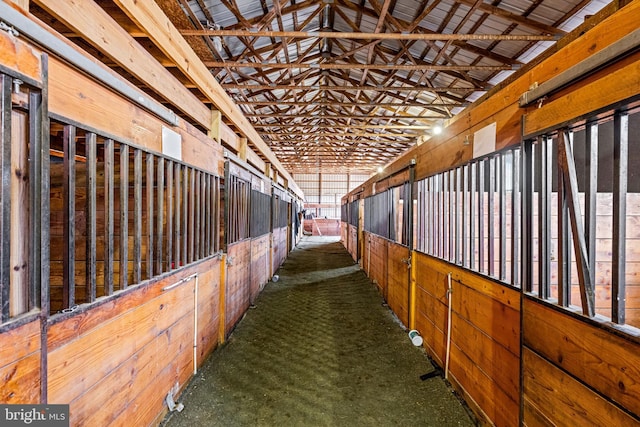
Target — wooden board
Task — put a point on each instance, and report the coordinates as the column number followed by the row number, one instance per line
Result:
column 20, row 364
column 565, row 401
column 259, row 265
column 398, row 281
column 376, row 262
column 19, row 56
column 238, row 286
column 605, row 361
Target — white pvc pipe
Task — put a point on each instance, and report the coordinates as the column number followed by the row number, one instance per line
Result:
column 446, row 363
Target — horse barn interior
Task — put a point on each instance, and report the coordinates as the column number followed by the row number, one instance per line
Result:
column 165, row 162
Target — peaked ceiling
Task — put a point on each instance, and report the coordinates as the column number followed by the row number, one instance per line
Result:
column 348, row 85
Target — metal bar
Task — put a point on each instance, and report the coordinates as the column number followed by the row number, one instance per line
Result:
column 150, row 217
column 137, row 215
column 585, row 276
column 169, row 254
column 185, row 215
column 429, row 230
column 543, row 177
column 472, row 216
column 192, row 237
column 502, row 274
column 452, row 205
column 491, row 232
column 5, row 198
column 564, row 283
column 457, row 203
column 196, row 208
column 90, row 213
column 108, row 215
column 178, row 225
column 527, row 215
column 481, row 217
column 207, row 214
column 39, row 229
column 124, row 216
column 619, row 256
column 69, row 216
column 160, row 216
column 516, row 218
column 444, row 220
column 465, row 214
column 591, row 192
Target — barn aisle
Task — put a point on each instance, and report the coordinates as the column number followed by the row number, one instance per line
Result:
column 318, row 349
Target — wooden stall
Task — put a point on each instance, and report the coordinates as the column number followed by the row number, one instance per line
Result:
column 528, row 305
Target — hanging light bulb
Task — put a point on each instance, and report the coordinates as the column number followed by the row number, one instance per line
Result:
column 437, row 130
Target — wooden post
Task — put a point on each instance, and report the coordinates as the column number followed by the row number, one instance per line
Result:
column 216, row 123
column 242, row 148
column 223, row 286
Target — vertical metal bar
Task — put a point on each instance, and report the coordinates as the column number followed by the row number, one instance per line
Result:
column 482, row 267
column 591, row 192
column 39, row 230
column 516, row 218
column 137, row 215
column 216, row 214
column 207, row 214
column 69, row 216
column 169, row 254
column 91, row 154
column 196, row 208
column 465, row 214
column 160, row 216
column 564, row 263
column 453, row 215
column 429, row 231
column 527, row 215
column 444, row 241
column 543, row 176
column 458, row 202
column 472, row 217
column 502, row 274
column 150, row 216
column 5, row 198
column 491, row 232
column 124, row 216
column 185, row 215
column 203, row 215
column 108, row 215
column 619, row 256
column 178, row 227
column 192, row 200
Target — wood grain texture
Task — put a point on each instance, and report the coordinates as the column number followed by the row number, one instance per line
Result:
column 20, row 56
column 20, row 364
column 605, row 361
column 398, row 281
column 238, row 283
column 565, row 401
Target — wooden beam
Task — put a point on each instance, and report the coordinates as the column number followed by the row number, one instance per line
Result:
column 100, row 30
column 366, row 36
column 354, row 104
column 216, row 123
column 338, row 125
column 250, row 86
column 149, row 17
column 356, row 66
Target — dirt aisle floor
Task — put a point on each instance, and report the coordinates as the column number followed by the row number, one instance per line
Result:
column 319, row 349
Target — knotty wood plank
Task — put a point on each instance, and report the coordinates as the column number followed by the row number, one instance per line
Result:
column 19, row 195
column 565, row 401
column 19, row 342
column 604, row 360
column 238, row 282
column 20, row 380
column 398, row 281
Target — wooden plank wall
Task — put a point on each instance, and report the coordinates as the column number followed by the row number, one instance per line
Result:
column 280, row 247
column 260, row 268
column 116, row 362
column 353, row 241
column 398, row 281
column 20, row 355
column 375, row 261
column 485, row 335
column 238, row 286
column 575, row 372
